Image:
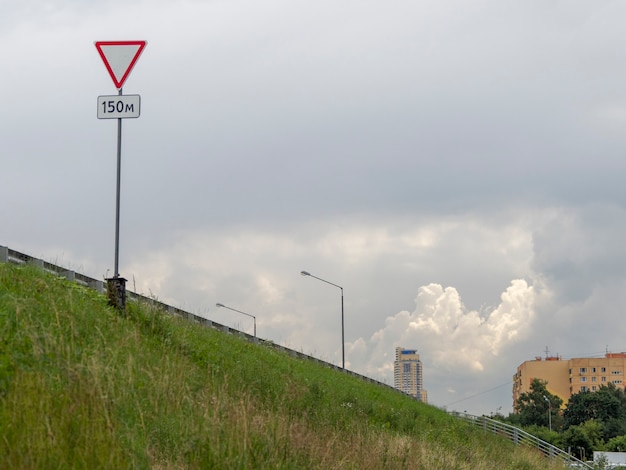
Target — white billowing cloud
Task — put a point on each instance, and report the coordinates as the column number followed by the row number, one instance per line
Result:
column 514, row 316
column 451, row 339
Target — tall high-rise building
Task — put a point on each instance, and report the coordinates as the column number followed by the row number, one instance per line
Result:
column 407, row 374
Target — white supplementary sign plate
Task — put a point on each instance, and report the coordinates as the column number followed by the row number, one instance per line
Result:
column 119, row 106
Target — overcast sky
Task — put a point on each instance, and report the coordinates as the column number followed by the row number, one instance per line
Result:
column 457, row 167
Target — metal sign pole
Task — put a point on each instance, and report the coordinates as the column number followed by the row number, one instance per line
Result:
column 117, row 197
column 116, row 286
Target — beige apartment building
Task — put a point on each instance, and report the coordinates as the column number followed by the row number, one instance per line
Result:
column 567, row 377
column 408, row 374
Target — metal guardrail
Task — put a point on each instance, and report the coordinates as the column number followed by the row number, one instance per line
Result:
column 520, row 437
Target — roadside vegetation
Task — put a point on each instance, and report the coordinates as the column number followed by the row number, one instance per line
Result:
column 82, row 386
column 591, row 421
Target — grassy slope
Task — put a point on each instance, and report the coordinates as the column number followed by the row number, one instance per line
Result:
column 83, row 387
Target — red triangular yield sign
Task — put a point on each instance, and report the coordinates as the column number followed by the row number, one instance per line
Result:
column 120, row 57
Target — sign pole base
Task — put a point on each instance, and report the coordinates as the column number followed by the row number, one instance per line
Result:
column 116, row 291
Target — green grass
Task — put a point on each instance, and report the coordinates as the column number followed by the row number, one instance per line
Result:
column 82, row 386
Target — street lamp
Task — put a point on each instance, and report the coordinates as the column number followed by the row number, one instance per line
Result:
column 239, row 311
column 549, row 412
column 343, row 348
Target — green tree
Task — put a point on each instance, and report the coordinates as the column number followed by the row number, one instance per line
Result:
column 583, row 439
column 614, row 427
column 616, row 444
column 538, row 406
column 606, row 406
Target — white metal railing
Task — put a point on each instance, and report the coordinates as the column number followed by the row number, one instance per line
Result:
column 521, row 437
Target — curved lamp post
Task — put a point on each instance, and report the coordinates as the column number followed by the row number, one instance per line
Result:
column 343, row 349
column 239, row 311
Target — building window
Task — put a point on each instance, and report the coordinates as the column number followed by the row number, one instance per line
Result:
column 603, row 369
column 583, row 370
column 603, row 379
column 594, row 388
column 583, row 389
column 583, row 379
column 593, row 379
column 618, row 381
column 593, row 370
column 616, row 372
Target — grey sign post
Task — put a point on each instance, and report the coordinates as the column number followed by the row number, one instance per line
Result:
column 119, row 58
